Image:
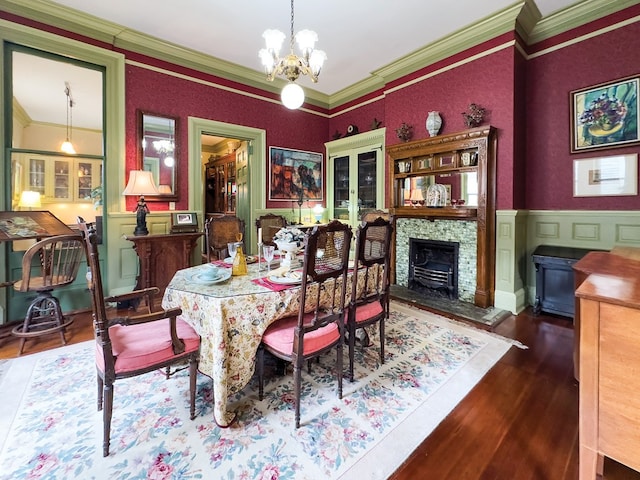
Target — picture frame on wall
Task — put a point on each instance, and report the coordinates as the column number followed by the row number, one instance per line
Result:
column 295, row 175
column 605, row 115
column 616, row 175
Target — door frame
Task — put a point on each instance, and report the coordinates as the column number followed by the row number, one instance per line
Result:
column 257, row 154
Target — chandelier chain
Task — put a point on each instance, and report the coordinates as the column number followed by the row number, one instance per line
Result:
column 292, row 36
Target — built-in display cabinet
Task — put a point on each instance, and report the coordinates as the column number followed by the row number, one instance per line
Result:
column 450, row 177
column 57, row 179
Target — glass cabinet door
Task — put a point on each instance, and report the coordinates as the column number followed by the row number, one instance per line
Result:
column 85, row 180
column 367, row 183
column 36, row 175
column 341, row 188
column 62, row 180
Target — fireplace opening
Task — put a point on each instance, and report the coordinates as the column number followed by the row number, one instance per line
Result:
column 433, row 267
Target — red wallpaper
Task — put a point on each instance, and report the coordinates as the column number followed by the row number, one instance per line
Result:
column 550, row 79
column 165, row 94
column 527, row 101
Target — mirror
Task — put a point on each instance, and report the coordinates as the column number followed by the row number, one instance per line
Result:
column 459, row 185
column 158, row 153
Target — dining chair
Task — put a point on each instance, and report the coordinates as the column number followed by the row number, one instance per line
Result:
column 369, row 303
column 270, row 224
column 218, row 232
column 371, row 215
column 131, row 343
column 319, row 325
column 47, row 265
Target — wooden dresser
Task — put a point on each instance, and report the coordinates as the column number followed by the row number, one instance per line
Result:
column 609, row 365
column 161, row 256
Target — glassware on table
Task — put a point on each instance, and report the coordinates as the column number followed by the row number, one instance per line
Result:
column 268, row 252
column 233, row 248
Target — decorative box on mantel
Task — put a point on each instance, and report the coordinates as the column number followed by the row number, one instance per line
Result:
column 464, row 163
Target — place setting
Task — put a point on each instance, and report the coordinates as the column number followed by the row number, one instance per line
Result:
column 210, row 274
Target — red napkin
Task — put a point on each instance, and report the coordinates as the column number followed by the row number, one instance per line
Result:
column 276, row 287
column 221, row 263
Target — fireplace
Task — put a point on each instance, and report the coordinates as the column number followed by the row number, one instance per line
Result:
column 433, row 267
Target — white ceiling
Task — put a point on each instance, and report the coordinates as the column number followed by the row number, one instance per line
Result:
column 358, row 37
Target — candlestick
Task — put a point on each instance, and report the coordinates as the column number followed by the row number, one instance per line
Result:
column 259, row 250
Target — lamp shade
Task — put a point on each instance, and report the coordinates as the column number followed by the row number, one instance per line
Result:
column 164, row 189
column 141, row 183
column 416, row 195
column 292, row 96
column 29, row 199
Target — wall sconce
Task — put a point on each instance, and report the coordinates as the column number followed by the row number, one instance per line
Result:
column 318, row 211
column 29, row 199
column 141, row 183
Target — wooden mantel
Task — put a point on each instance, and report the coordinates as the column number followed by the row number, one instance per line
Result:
column 426, row 158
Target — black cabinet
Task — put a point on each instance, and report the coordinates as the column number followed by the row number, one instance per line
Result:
column 554, row 279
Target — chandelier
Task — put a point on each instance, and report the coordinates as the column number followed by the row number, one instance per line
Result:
column 292, row 66
column 67, row 146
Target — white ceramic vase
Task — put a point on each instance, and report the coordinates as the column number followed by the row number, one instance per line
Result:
column 434, row 122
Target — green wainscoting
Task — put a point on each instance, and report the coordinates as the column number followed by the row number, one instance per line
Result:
column 519, row 232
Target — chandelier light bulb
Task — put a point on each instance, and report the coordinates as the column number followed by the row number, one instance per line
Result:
column 292, row 96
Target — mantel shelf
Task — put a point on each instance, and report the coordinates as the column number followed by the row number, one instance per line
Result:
column 461, row 213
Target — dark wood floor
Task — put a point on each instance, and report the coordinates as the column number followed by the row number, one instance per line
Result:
column 519, row 422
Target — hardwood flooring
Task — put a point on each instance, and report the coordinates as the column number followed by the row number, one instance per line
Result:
column 519, row 422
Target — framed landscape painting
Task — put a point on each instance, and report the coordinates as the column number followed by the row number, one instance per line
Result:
column 294, row 174
column 605, row 116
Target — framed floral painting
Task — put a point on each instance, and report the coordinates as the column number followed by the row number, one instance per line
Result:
column 605, row 116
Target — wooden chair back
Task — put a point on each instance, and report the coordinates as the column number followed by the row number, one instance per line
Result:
column 270, row 224
column 218, row 232
column 51, row 263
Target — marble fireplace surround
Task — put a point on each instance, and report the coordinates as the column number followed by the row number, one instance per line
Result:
column 463, row 232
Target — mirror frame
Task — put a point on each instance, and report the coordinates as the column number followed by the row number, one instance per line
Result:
column 166, row 197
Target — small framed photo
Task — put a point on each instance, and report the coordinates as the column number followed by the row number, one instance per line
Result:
column 605, row 115
column 184, row 222
column 614, row 175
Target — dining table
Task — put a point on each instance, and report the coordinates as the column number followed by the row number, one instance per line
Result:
column 231, row 314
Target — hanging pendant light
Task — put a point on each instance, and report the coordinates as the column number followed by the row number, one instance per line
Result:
column 67, row 146
column 292, row 66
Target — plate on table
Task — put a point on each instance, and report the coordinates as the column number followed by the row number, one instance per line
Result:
column 202, row 278
column 250, row 259
column 290, row 278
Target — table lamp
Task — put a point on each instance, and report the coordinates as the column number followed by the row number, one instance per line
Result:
column 141, row 183
column 318, row 211
column 29, row 199
column 417, row 197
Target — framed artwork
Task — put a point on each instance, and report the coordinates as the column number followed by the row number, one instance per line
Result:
column 605, row 115
column 614, row 175
column 295, row 175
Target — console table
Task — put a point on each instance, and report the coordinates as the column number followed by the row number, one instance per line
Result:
column 161, row 256
column 609, row 365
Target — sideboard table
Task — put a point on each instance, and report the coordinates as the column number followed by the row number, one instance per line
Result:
column 609, row 365
column 161, row 256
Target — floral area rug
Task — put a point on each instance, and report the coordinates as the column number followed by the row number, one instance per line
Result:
column 50, row 427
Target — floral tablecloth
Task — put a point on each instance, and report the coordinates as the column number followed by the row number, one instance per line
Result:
column 230, row 318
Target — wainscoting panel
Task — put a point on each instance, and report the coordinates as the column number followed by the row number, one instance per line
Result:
column 591, row 229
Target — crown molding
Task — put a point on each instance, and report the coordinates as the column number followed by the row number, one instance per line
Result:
column 575, row 16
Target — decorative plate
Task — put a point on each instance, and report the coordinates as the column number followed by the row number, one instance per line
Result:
column 290, row 278
column 202, row 278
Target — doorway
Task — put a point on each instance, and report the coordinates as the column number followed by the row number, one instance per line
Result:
column 250, row 170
